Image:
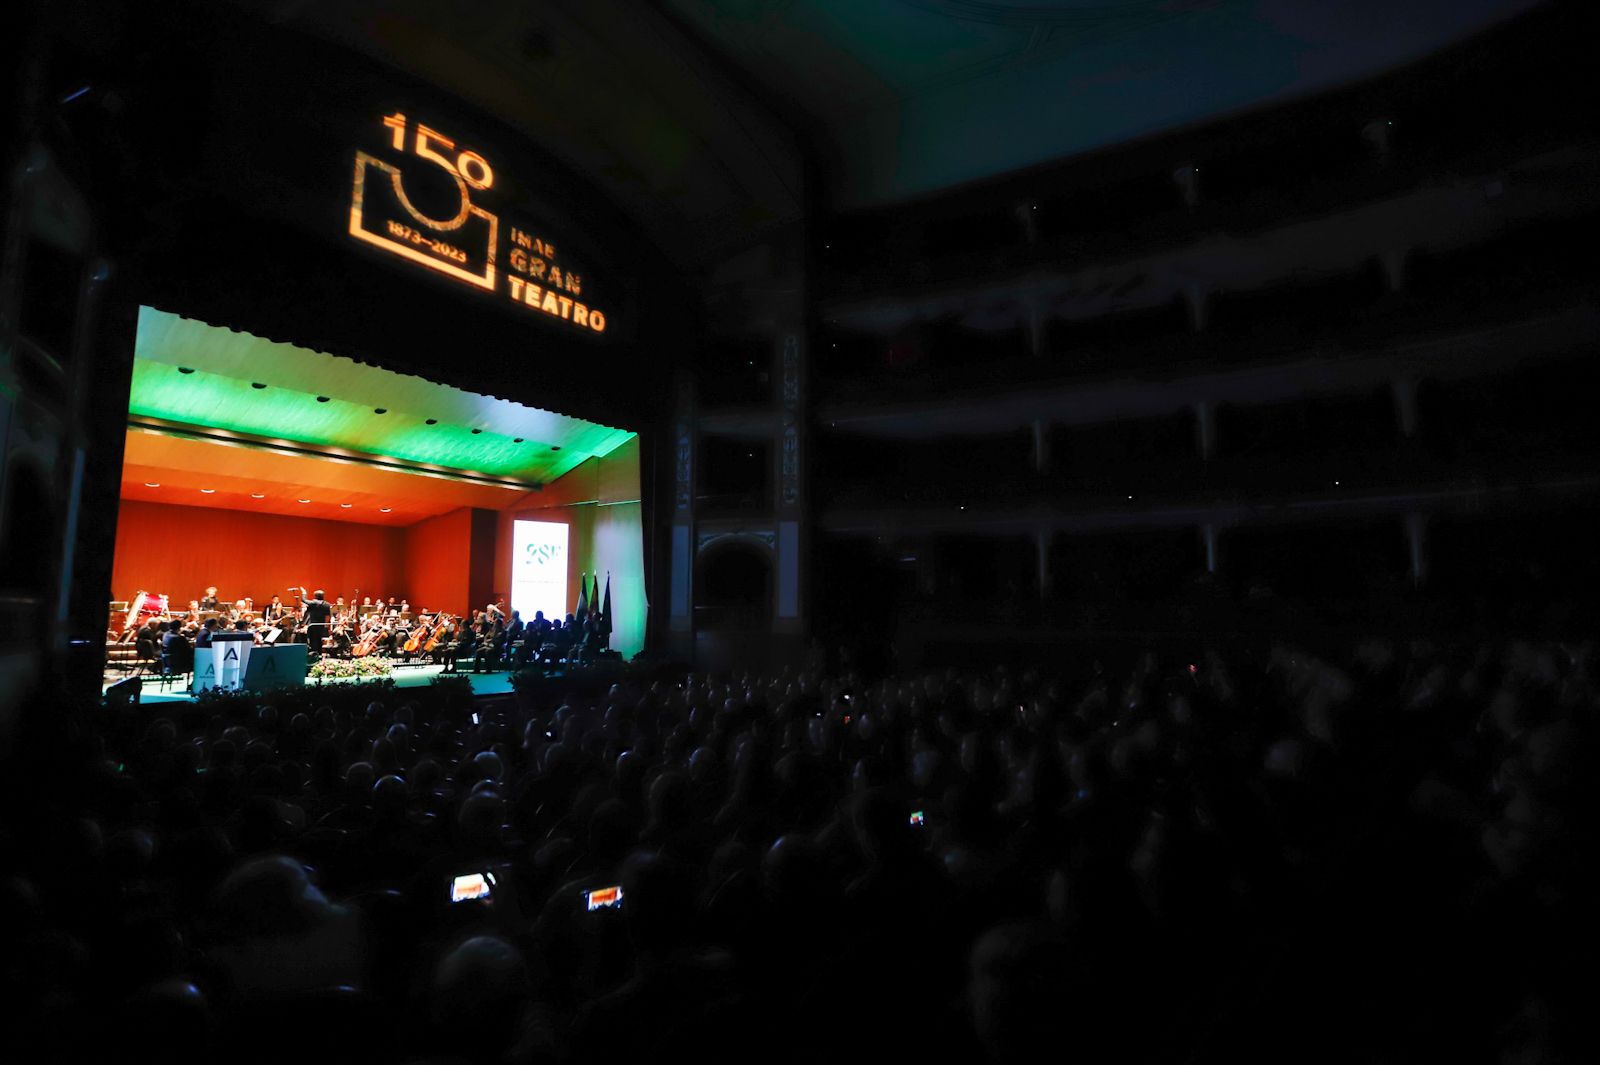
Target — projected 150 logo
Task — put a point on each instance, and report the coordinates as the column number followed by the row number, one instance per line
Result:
column 464, row 244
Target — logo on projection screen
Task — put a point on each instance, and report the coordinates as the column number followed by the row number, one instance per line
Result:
column 539, row 568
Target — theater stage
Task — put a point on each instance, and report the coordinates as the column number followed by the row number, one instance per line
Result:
column 483, row 684
column 255, row 469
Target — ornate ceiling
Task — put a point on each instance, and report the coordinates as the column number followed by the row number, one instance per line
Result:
column 696, row 115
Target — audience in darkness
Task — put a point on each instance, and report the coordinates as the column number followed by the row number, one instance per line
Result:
column 1225, row 859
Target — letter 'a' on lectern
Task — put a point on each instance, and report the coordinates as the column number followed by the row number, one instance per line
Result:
column 230, row 658
column 280, row 666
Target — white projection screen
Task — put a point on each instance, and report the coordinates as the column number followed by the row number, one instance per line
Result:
column 539, row 568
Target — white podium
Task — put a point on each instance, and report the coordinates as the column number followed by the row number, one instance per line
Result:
column 230, row 659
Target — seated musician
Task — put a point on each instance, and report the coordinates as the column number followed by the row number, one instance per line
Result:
column 275, row 611
column 491, row 637
column 515, row 649
column 466, row 639
column 207, row 630
column 147, row 643
column 386, row 642
column 176, row 654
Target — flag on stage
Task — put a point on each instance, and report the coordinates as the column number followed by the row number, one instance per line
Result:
column 583, row 596
column 594, row 594
column 605, row 611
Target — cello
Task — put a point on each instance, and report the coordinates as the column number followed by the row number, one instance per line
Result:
column 440, row 622
column 368, row 642
column 418, row 638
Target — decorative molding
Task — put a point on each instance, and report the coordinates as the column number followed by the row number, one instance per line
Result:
column 763, row 538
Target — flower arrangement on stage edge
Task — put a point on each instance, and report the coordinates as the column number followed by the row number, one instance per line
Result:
column 343, row 668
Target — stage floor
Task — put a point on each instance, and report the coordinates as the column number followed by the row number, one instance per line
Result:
column 495, row 683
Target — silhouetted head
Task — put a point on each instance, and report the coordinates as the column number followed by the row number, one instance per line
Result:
column 479, row 821
column 659, row 898
column 271, row 896
column 389, row 797
column 477, row 997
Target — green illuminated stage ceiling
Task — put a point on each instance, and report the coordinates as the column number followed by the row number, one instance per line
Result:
column 203, row 376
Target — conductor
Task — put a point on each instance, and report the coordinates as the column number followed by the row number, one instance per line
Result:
column 318, row 612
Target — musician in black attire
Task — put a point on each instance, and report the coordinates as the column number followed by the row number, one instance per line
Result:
column 208, row 630
column 466, row 640
column 274, row 612
column 176, row 653
column 491, row 636
column 386, row 643
column 210, row 602
column 318, row 612
column 515, row 632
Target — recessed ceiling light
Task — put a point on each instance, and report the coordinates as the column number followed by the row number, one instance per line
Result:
column 516, row 439
column 475, row 432
column 347, row 506
column 383, row 510
column 186, row 369
column 322, row 399
column 305, row 501
column 258, row 495
column 431, row 421
column 209, row 491
column 555, row 447
column 257, row 384
column 152, row 484
column 380, row 410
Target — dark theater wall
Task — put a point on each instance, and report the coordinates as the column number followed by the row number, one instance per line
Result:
column 180, row 550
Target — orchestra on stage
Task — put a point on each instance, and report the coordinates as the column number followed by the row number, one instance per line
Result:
column 491, row 638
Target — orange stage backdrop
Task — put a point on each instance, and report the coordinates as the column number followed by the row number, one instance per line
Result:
column 179, row 550
column 437, row 561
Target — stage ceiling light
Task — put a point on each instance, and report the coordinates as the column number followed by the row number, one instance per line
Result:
column 347, row 393
column 258, row 495
column 152, row 484
column 208, row 491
